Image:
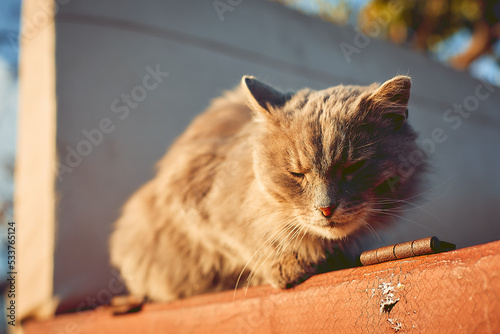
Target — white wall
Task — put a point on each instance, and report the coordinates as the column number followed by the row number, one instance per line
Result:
column 104, row 48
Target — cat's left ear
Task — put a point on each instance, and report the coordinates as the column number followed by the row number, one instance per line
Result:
column 390, row 101
column 263, row 99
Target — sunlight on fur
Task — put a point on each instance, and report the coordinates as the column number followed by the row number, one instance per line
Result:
column 264, row 187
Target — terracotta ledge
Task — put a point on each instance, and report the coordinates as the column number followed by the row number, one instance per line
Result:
column 451, row 292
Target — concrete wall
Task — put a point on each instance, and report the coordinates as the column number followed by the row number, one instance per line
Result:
column 105, row 50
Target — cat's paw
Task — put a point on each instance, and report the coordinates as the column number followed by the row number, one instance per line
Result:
column 289, row 272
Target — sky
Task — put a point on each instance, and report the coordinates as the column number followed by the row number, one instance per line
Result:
column 10, row 11
column 9, row 27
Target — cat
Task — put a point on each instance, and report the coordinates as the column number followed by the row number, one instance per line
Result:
column 263, row 186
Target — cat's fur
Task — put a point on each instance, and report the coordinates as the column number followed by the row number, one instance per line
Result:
column 225, row 202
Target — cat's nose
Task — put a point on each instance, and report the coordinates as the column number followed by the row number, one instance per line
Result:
column 328, row 211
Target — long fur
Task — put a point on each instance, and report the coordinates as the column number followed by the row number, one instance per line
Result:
column 235, row 199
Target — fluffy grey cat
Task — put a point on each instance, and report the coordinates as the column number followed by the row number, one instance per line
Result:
column 263, row 185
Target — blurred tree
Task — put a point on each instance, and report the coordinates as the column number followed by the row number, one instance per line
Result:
column 338, row 11
column 425, row 23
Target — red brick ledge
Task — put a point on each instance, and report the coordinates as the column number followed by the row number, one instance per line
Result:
column 451, row 292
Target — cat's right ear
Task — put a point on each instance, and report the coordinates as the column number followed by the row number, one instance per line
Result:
column 263, row 99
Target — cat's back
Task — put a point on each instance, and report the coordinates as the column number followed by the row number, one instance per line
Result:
column 197, row 155
column 223, row 119
column 175, row 200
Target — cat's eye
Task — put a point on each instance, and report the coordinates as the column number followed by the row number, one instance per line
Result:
column 300, row 175
column 351, row 169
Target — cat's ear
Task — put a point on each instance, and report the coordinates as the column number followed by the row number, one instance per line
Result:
column 263, row 99
column 390, row 101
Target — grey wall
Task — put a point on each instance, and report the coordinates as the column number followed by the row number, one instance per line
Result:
column 105, row 48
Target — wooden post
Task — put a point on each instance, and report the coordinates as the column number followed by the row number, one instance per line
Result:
column 34, row 198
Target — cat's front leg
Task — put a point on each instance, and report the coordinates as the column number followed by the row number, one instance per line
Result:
column 290, row 271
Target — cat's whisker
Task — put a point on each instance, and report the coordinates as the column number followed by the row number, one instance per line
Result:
column 370, row 228
column 287, row 228
column 402, row 217
column 423, row 193
column 369, row 144
column 402, row 208
column 291, row 239
column 280, row 231
column 305, row 229
column 269, row 212
column 406, row 201
column 291, row 229
column 412, row 207
column 294, row 235
column 253, row 274
column 299, row 230
column 274, row 235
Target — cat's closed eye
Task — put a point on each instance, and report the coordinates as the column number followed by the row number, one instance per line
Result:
column 298, row 175
column 353, row 168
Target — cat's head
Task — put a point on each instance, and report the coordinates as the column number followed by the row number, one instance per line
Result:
column 332, row 157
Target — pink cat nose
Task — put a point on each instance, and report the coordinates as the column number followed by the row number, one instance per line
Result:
column 328, row 211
